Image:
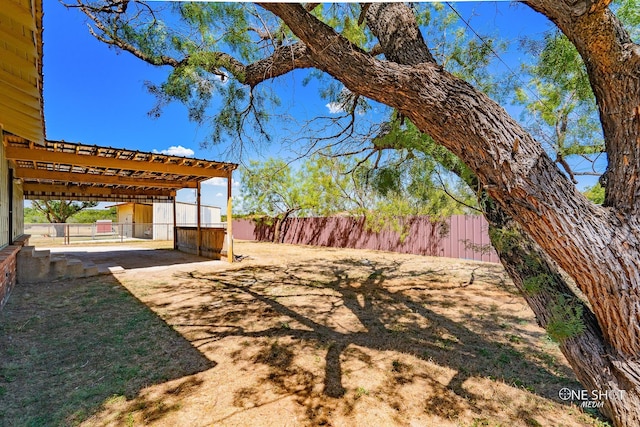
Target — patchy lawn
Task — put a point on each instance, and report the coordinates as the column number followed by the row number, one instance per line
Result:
column 289, row 336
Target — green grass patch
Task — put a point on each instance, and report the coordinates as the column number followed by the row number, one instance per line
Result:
column 68, row 348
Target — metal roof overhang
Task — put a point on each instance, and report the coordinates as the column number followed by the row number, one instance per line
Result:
column 59, row 170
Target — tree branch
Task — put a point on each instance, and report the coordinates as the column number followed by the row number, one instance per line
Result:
column 607, row 50
column 113, row 40
column 283, row 60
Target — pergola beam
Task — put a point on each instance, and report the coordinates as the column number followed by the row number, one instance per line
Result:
column 70, row 190
column 89, row 178
column 41, row 155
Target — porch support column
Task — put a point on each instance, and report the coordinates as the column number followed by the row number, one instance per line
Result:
column 175, row 225
column 229, row 218
column 198, row 231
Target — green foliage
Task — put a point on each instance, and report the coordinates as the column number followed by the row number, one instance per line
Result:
column 566, row 319
column 559, row 103
column 269, row 188
column 504, row 239
column 319, row 187
column 89, row 216
column 535, row 284
column 629, row 13
column 595, row 193
column 33, row 216
column 59, row 211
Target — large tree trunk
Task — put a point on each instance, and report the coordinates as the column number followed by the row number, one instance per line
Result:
column 597, row 246
column 610, row 379
column 60, row 229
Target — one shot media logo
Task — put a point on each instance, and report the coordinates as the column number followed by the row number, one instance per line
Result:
column 590, row 398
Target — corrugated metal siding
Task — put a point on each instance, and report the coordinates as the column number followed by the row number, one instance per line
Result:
column 186, row 215
column 459, row 236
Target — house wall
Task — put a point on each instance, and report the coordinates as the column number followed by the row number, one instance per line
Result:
column 20, row 114
column 8, row 253
column 4, row 197
column 7, row 272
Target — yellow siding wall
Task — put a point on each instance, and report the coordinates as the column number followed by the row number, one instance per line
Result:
column 141, row 215
column 124, row 211
column 143, row 218
column 20, row 68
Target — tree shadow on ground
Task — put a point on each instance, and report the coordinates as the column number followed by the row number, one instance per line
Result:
column 67, row 348
column 300, row 303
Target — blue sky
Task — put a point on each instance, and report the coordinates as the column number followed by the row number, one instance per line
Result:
column 95, row 95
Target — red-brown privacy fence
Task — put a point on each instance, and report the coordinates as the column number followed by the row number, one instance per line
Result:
column 460, row 236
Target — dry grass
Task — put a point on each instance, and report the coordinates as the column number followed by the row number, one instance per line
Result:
column 292, row 336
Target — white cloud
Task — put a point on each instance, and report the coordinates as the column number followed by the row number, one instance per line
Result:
column 335, row 107
column 220, row 182
column 178, row 150
column 217, row 182
column 219, row 194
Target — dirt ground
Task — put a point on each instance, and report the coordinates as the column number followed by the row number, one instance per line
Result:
column 300, row 336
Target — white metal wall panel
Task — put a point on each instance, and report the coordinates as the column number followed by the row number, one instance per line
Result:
column 186, row 215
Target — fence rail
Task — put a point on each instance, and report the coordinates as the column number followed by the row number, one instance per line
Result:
column 460, row 236
column 103, row 231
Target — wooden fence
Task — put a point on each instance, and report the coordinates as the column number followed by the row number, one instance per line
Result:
column 460, row 236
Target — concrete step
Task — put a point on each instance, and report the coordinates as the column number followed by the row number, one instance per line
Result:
column 75, row 269
column 27, row 251
column 33, row 266
column 58, row 266
column 90, row 269
column 46, row 253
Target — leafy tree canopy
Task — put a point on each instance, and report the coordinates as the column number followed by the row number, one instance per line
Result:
column 59, row 211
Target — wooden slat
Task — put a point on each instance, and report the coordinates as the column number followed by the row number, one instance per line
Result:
column 22, row 105
column 10, row 34
column 27, row 64
column 19, row 124
column 19, row 14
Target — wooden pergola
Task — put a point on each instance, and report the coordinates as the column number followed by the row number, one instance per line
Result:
column 59, row 170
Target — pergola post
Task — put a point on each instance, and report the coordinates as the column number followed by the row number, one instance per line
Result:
column 229, row 218
column 198, row 231
column 175, row 225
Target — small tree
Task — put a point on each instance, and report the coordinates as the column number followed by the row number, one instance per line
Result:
column 59, row 211
column 270, row 189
